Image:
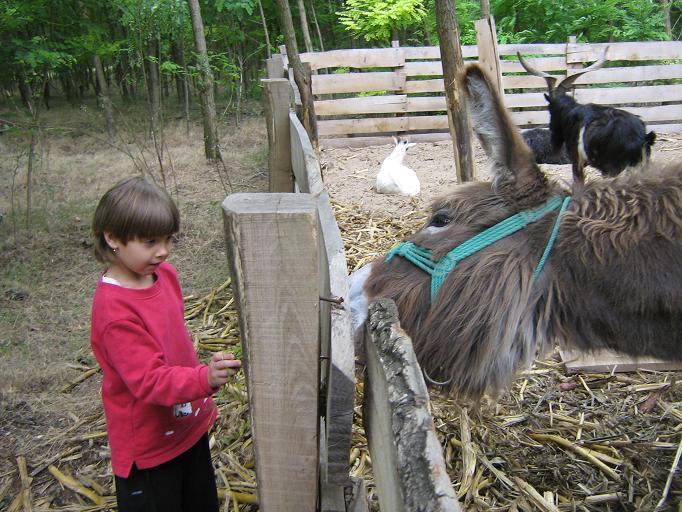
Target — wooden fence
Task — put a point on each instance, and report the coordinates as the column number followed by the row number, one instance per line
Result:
column 366, row 95
column 290, row 281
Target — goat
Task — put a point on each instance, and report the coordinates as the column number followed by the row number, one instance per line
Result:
column 607, row 138
column 539, row 140
column 394, row 177
column 613, row 278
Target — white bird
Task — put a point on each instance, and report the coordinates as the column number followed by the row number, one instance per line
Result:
column 394, row 177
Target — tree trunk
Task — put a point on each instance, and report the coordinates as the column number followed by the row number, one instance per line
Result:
column 154, row 86
column 265, row 29
column 317, row 26
column 302, row 81
column 666, row 17
column 208, row 112
column 304, row 26
column 485, row 8
column 458, row 117
column 184, row 86
column 104, row 98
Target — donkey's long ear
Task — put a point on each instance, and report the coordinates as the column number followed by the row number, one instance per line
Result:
column 516, row 175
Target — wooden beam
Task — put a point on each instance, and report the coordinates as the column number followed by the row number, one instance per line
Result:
column 640, row 50
column 337, row 83
column 277, row 99
column 275, row 66
column 360, row 58
column 361, row 142
column 408, row 463
column 607, row 361
column 305, row 164
column 488, row 56
column 337, row 345
column 272, row 242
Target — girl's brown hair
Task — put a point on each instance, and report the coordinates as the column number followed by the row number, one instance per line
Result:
column 133, row 208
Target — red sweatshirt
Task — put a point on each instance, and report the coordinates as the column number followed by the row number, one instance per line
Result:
column 156, row 395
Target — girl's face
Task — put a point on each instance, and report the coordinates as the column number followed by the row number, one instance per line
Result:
column 138, row 259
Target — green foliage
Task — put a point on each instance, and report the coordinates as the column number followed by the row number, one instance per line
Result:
column 376, row 20
column 535, row 21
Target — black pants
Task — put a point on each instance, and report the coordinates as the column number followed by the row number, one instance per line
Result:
column 183, row 484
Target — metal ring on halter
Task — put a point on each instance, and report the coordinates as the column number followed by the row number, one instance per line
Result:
column 435, row 382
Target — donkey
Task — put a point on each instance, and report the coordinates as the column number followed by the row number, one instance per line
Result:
column 608, row 138
column 599, row 269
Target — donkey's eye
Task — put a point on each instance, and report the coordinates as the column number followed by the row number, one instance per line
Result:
column 440, row 219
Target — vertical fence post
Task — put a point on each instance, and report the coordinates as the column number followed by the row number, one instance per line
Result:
column 488, row 54
column 407, row 459
column 272, row 242
column 277, row 98
column 275, row 66
column 571, row 67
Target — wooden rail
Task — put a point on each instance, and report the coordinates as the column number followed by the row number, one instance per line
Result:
column 370, row 94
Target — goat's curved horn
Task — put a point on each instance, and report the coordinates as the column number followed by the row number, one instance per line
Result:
column 551, row 80
column 568, row 81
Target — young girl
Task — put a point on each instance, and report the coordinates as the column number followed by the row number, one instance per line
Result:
column 156, row 394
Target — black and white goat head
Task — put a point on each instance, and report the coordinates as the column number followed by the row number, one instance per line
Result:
column 613, row 278
column 607, row 138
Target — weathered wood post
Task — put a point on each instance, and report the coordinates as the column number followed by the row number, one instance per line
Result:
column 458, row 116
column 408, row 463
column 488, row 54
column 275, row 66
column 272, row 242
column 277, row 99
column 336, row 344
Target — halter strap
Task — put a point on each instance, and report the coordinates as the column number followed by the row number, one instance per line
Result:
column 438, row 270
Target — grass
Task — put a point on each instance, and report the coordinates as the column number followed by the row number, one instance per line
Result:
column 48, row 273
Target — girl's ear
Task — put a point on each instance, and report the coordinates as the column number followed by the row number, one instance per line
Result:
column 111, row 240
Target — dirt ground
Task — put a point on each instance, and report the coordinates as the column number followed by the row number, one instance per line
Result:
column 350, row 173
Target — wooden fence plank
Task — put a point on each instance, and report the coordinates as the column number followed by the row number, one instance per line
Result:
column 272, row 242
column 657, row 113
column 337, row 344
column 421, row 68
column 543, row 64
column 623, row 95
column 306, row 167
column 382, row 124
column 532, row 48
column 361, row 142
column 408, row 463
column 640, row 50
column 526, row 82
column 429, row 85
column 356, row 58
column 607, row 361
column 357, row 82
column 383, row 105
column 363, row 105
column 370, row 125
column 631, row 74
column 433, row 52
column 603, row 96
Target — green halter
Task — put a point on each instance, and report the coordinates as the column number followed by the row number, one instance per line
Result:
column 421, row 257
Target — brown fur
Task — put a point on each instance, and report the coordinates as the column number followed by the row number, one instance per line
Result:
column 614, row 278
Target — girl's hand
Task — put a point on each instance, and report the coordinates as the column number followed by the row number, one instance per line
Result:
column 223, row 365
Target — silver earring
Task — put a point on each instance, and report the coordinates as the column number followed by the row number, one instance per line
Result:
column 114, row 250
